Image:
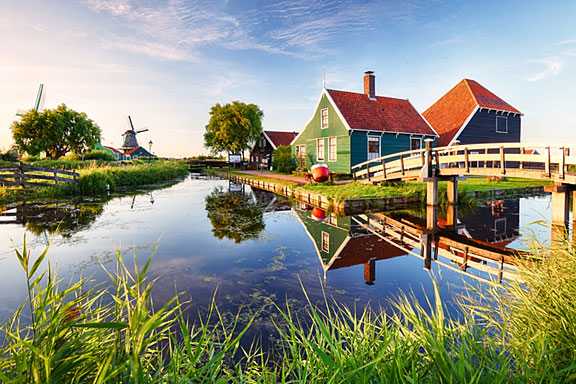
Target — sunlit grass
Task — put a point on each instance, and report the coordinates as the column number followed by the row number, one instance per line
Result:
column 518, row 332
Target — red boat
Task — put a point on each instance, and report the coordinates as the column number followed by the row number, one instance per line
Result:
column 320, row 172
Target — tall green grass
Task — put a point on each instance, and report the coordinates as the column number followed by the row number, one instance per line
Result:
column 110, row 333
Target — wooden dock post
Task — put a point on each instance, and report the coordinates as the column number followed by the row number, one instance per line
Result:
column 560, row 203
column 452, row 190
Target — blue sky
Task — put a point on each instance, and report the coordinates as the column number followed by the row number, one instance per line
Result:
column 166, row 62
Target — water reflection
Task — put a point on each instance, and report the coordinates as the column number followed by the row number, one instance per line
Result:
column 234, row 214
column 474, row 244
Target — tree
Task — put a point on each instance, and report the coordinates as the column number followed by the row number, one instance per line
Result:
column 55, row 131
column 283, row 161
column 234, row 215
column 233, row 127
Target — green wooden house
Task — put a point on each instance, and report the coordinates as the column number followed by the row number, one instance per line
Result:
column 341, row 243
column 348, row 128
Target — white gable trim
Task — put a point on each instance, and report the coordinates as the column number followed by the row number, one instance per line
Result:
column 268, row 138
column 324, row 93
column 455, row 137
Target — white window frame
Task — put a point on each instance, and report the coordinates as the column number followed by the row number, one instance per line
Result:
column 324, row 118
column 506, row 125
column 318, row 152
column 378, row 154
column 325, row 242
column 499, row 222
column 332, row 153
column 332, row 219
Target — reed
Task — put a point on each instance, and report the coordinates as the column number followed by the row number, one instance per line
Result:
column 520, row 332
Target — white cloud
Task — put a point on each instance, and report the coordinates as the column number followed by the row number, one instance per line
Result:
column 553, row 67
column 445, row 42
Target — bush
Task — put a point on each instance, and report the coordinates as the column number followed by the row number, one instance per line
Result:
column 283, row 161
column 9, row 156
column 96, row 154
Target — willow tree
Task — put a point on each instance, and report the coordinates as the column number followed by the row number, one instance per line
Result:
column 55, row 131
column 233, row 128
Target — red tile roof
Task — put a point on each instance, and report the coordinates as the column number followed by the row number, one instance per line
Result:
column 360, row 250
column 451, row 111
column 382, row 114
column 280, row 138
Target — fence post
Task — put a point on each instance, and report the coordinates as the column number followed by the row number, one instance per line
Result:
column 561, row 163
column 368, row 171
column 547, row 165
column 384, row 168
column 522, row 150
column 20, row 174
column 402, row 164
column 502, row 161
column 55, row 178
column 466, row 160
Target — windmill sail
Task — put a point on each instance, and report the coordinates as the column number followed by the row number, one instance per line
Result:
column 38, row 104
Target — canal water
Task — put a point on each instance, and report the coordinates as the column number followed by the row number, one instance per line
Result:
column 247, row 248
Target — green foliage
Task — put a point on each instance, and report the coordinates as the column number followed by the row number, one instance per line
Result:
column 98, row 155
column 234, row 215
column 55, row 131
column 521, row 332
column 9, row 156
column 233, row 127
column 283, row 161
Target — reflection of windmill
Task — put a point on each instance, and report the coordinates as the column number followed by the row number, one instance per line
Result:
column 130, row 141
column 38, row 104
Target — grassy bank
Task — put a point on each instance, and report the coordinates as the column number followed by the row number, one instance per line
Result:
column 98, row 178
column 524, row 335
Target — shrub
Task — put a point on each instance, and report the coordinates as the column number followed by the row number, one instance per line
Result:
column 283, row 161
column 96, row 154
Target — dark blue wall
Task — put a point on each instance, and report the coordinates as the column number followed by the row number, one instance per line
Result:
column 482, row 129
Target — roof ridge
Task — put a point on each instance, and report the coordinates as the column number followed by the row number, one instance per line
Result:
column 466, row 81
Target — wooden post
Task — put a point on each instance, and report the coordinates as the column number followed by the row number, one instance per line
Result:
column 522, row 150
column 432, row 192
column 502, row 161
column 561, row 163
column 20, row 174
column 384, row 168
column 354, row 174
column 55, row 178
column 368, row 171
column 547, row 165
column 452, row 190
column 466, row 160
column 402, row 164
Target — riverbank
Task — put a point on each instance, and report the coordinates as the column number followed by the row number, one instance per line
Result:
column 513, row 333
column 101, row 178
column 348, row 197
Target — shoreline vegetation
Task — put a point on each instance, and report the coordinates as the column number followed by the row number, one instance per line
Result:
column 519, row 332
column 468, row 190
column 100, row 178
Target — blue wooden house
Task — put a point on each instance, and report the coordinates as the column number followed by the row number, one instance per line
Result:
column 471, row 114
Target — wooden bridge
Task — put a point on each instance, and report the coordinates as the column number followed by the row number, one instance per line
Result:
column 554, row 162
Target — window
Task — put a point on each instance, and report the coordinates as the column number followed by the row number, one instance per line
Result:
column 415, row 144
column 262, row 143
column 301, row 155
column 501, row 124
column 332, row 149
column 373, row 147
column 332, row 219
column 500, row 226
column 325, row 241
column 324, row 118
column 320, row 149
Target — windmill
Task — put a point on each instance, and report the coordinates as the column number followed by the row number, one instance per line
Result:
column 38, row 104
column 130, row 141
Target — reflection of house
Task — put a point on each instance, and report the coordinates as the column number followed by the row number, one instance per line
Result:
column 496, row 222
column 340, row 243
column 270, row 201
column 348, row 128
column 261, row 156
column 471, row 114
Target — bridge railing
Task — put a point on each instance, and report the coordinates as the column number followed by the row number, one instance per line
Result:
column 554, row 160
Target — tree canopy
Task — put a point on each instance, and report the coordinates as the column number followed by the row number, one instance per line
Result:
column 55, row 131
column 233, row 127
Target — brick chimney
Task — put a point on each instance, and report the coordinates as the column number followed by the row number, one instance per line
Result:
column 370, row 84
